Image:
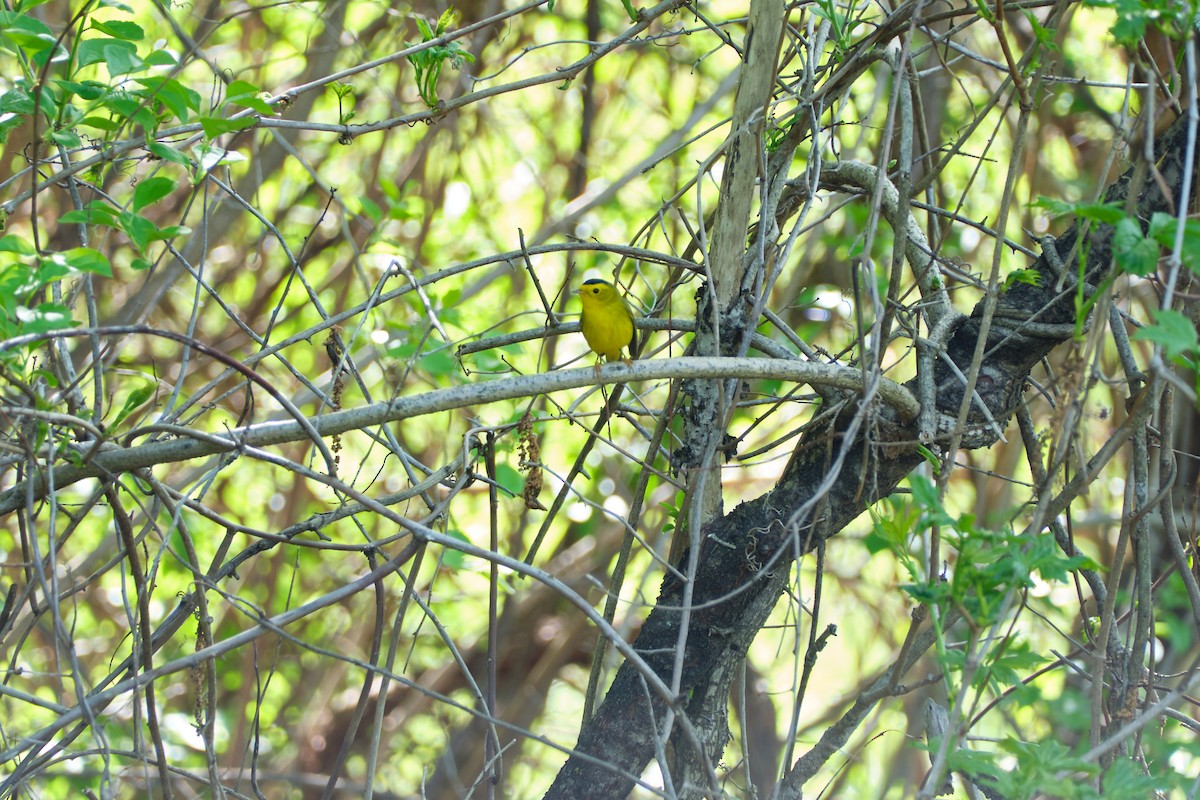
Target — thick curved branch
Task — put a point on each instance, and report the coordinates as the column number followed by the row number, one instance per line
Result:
column 112, row 459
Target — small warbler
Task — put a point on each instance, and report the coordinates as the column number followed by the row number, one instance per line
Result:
column 606, row 321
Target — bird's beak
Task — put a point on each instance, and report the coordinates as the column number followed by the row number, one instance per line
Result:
column 576, row 291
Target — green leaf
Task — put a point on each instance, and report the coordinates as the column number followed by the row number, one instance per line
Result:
column 172, row 94
column 1045, row 36
column 43, row 318
column 160, row 58
column 139, row 229
column 931, row 459
column 70, row 117
column 209, row 155
column 451, row 558
column 1132, row 18
column 20, row 33
column 1164, row 230
column 428, row 63
column 101, row 124
column 17, row 280
column 1044, row 769
column 97, row 212
column 170, row 232
column 1129, row 29
column 1006, row 669
column 66, row 138
column 895, row 520
column 509, row 480
column 137, row 397
column 11, row 243
column 91, row 51
column 924, row 492
column 57, row 266
column 13, row 23
column 16, row 101
column 369, row 208
column 453, row 316
column 216, row 126
column 1124, row 778
column 243, row 93
column 48, row 103
column 1028, row 276
column 436, row 362
column 168, row 153
column 924, row 593
column 876, row 543
column 53, row 267
column 7, row 124
column 1110, row 213
column 974, row 763
column 447, row 20
column 131, row 109
column 1173, row 331
column 1134, row 253
column 85, row 259
column 151, row 190
column 121, row 58
column 239, row 87
column 85, row 90
column 389, row 188
column 120, row 29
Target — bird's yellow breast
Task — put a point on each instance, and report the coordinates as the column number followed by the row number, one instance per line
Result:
column 606, row 320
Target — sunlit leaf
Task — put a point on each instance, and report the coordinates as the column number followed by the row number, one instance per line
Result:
column 246, row 94
column 210, row 156
column 11, row 243
column 120, row 29
column 44, row 318
column 16, row 101
column 86, row 259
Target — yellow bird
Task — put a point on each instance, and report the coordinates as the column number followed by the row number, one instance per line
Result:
column 606, row 320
